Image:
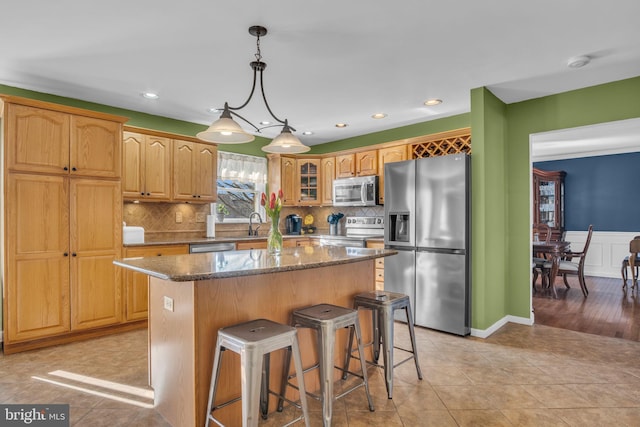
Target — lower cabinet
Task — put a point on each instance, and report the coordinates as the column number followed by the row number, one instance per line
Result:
column 252, row 244
column 379, row 265
column 136, row 286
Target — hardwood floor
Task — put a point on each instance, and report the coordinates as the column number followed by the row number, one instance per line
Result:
column 608, row 311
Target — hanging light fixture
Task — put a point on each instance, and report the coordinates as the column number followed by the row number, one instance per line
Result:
column 225, row 130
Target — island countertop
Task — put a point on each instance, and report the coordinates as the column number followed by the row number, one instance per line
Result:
column 218, row 265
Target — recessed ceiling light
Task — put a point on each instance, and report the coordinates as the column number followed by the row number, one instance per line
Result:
column 213, row 110
column 307, row 132
column 341, row 125
column 578, row 61
column 379, row 116
column 265, row 122
column 150, row 95
column 432, row 102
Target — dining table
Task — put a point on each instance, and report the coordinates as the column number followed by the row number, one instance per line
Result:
column 554, row 251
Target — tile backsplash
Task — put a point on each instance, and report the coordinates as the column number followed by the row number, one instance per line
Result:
column 161, row 217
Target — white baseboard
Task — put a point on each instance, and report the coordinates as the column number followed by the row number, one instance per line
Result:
column 485, row 333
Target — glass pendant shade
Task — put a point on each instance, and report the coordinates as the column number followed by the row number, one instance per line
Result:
column 287, row 143
column 225, row 131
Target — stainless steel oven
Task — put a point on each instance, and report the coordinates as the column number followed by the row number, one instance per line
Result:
column 359, row 229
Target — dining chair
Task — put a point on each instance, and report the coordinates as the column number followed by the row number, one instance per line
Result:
column 573, row 263
column 541, row 233
column 632, row 261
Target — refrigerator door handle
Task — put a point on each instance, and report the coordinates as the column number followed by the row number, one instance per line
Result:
column 443, row 251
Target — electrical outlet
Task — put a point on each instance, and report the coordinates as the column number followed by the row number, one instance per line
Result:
column 200, row 217
column 168, row 303
column 178, row 217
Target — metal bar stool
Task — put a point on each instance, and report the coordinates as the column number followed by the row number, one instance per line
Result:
column 383, row 304
column 326, row 319
column 253, row 341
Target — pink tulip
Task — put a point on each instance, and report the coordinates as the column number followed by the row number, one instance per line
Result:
column 263, row 199
column 280, row 194
column 272, row 202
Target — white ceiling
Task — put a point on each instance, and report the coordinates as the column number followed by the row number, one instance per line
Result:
column 328, row 61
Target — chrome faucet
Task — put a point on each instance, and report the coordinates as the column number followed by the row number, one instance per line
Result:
column 253, row 232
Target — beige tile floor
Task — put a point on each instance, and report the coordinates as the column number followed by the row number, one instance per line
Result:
column 520, row 376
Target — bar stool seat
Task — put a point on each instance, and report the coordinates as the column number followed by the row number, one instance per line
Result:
column 254, row 341
column 384, row 304
column 326, row 319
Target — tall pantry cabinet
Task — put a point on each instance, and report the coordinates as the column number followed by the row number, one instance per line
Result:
column 62, row 221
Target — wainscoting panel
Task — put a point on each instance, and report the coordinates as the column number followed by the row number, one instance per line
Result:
column 606, row 252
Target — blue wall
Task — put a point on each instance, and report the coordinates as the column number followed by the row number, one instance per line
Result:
column 601, row 190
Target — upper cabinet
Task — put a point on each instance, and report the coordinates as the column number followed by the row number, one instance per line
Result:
column 548, row 200
column 345, row 165
column 308, row 182
column 389, row 155
column 57, row 142
column 362, row 163
column 146, row 167
column 288, row 180
column 194, row 171
column 327, row 175
column 366, row 163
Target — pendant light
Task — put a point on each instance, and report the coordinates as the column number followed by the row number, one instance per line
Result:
column 226, row 130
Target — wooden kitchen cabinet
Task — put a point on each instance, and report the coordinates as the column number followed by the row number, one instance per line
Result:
column 60, row 272
column 345, row 165
column 194, row 171
column 366, row 163
column 308, row 182
column 388, row 155
column 63, row 222
column 147, row 163
column 327, row 175
column 288, row 181
column 136, row 285
column 57, row 142
column 37, row 253
column 361, row 163
column 251, row 244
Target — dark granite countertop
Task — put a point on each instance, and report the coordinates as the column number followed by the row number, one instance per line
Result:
column 178, row 239
column 182, row 239
column 217, row 265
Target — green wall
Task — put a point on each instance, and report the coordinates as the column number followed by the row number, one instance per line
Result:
column 489, row 209
column 597, row 104
column 425, row 128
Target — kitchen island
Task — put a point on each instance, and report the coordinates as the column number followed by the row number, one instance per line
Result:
column 192, row 296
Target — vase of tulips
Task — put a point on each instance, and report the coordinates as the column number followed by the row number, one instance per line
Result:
column 273, row 207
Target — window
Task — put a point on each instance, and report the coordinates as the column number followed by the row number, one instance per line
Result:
column 241, row 181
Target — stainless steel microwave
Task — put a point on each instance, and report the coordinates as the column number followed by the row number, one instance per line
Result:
column 356, row 191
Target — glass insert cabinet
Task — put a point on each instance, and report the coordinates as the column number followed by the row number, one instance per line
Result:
column 548, row 200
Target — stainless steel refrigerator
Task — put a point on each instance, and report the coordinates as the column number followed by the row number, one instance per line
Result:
column 427, row 219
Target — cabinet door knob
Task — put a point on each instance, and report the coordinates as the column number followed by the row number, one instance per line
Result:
column 65, row 168
column 148, row 194
column 74, row 169
column 74, row 254
column 142, row 193
column 66, row 254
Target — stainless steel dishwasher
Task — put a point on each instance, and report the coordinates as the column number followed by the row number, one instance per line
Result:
column 199, row 248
